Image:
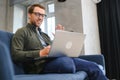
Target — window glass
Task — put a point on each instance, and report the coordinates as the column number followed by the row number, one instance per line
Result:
column 51, row 8
column 51, row 27
column 50, row 21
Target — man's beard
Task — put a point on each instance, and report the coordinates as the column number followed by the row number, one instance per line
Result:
column 33, row 23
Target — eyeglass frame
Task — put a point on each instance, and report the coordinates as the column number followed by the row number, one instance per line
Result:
column 39, row 14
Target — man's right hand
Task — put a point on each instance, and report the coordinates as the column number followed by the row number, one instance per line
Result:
column 44, row 52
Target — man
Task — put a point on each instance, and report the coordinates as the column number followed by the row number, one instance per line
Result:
column 29, row 44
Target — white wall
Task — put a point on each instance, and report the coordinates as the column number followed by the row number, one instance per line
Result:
column 6, row 16
column 90, row 27
column 3, row 14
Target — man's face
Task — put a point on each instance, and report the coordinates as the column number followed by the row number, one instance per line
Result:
column 36, row 18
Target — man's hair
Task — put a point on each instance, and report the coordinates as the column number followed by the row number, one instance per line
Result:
column 31, row 8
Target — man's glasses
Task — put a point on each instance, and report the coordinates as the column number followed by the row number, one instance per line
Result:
column 39, row 14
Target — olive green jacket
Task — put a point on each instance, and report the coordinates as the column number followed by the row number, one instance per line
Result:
column 26, row 45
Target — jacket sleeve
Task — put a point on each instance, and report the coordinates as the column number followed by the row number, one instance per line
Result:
column 17, row 48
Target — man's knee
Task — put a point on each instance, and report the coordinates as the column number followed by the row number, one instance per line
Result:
column 61, row 65
column 84, row 64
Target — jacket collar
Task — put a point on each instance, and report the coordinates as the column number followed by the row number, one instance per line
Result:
column 31, row 26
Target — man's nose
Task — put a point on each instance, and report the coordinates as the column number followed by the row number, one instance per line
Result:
column 40, row 17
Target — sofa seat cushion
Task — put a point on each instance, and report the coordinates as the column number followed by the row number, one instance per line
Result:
column 81, row 75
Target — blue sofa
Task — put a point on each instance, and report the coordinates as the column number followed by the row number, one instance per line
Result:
column 12, row 71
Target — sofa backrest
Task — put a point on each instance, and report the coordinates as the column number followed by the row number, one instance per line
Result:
column 5, row 38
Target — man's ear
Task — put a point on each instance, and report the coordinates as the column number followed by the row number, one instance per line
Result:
column 29, row 15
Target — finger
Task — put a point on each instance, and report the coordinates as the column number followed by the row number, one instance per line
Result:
column 59, row 27
column 63, row 28
column 48, row 47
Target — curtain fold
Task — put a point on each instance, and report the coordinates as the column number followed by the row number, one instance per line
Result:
column 109, row 30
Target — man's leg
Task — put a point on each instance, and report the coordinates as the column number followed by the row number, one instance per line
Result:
column 60, row 65
column 92, row 69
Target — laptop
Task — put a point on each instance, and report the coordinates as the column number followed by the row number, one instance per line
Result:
column 67, row 43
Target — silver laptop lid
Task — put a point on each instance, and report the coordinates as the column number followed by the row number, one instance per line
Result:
column 67, row 44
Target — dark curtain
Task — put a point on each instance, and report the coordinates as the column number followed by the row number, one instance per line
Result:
column 109, row 30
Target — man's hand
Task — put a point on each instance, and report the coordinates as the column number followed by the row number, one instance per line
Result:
column 59, row 27
column 44, row 52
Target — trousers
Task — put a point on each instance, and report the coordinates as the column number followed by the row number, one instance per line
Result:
column 91, row 68
column 72, row 65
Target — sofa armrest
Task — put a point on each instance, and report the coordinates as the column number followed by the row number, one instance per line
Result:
column 6, row 68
